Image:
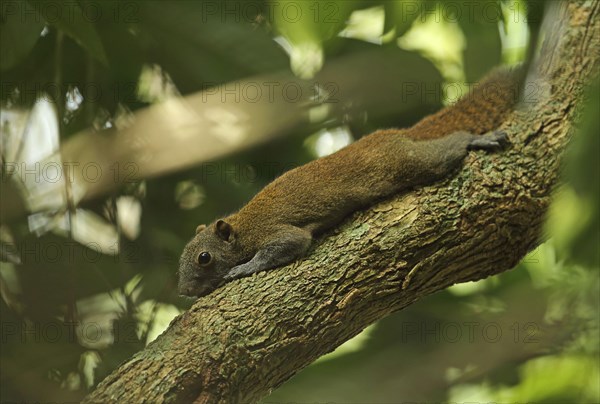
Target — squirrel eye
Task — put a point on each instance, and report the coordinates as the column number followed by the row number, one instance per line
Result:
column 204, row 258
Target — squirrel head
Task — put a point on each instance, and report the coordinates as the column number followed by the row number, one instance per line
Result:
column 207, row 258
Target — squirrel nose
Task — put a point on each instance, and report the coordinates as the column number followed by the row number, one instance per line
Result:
column 186, row 290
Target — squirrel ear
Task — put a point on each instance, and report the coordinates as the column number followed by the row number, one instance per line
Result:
column 223, row 230
column 200, row 228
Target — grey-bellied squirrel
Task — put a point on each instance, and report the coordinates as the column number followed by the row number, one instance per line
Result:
column 278, row 225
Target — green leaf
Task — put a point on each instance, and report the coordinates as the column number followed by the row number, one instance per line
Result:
column 70, row 18
column 484, row 48
column 195, row 46
column 20, row 28
column 306, row 25
column 304, row 21
column 401, row 14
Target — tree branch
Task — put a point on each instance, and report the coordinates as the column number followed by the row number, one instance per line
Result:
column 250, row 336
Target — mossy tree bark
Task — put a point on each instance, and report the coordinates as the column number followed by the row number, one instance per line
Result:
column 250, row 336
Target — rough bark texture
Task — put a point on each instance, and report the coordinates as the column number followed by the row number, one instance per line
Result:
column 247, row 338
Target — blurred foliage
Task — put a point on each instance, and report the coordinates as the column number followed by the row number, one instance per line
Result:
column 576, row 215
column 84, row 287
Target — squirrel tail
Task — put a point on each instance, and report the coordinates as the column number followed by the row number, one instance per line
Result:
column 481, row 111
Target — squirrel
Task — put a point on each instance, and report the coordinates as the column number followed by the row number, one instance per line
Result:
column 278, row 225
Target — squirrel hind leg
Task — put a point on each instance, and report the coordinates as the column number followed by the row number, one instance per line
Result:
column 495, row 140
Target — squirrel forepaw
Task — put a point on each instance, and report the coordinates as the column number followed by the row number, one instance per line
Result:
column 239, row 271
